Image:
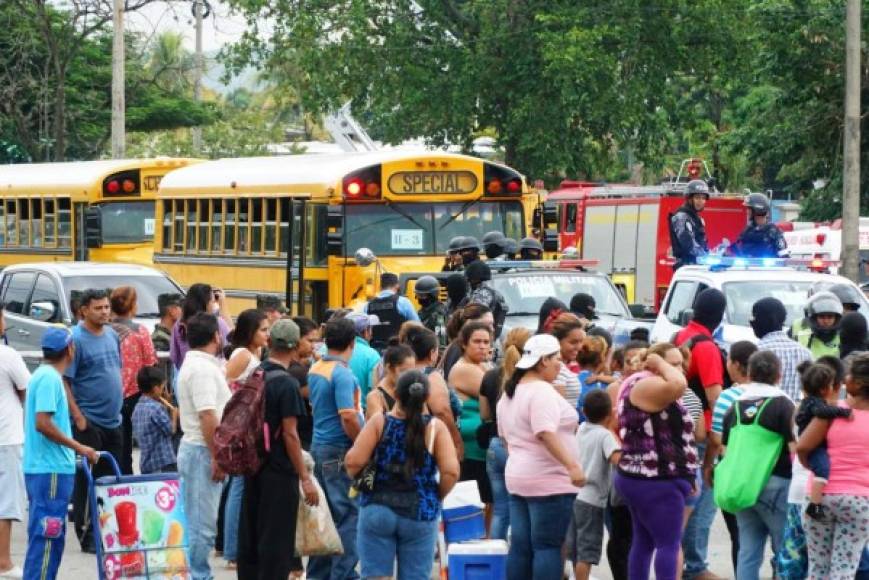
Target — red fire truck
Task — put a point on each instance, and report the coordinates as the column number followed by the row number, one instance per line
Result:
column 626, row 227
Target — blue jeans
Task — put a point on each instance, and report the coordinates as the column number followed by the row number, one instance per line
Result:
column 329, row 470
column 695, row 538
column 48, row 495
column 765, row 518
column 201, row 502
column 496, row 462
column 385, row 536
column 539, row 527
column 232, row 511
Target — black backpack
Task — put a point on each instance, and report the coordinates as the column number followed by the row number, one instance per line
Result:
column 694, row 384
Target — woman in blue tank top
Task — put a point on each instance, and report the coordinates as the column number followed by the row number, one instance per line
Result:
column 398, row 518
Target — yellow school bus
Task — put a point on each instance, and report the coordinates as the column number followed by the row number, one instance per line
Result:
column 290, row 226
column 88, row 210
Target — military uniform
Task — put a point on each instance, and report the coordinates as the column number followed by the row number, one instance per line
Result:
column 488, row 296
column 434, row 317
column 687, row 236
column 764, row 241
column 161, row 337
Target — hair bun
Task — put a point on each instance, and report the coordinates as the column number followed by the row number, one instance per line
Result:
column 417, row 390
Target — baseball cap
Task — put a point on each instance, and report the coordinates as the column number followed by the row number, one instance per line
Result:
column 536, row 348
column 362, row 321
column 56, row 339
column 284, row 333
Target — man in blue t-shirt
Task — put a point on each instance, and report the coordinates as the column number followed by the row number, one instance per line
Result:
column 49, row 456
column 335, row 400
column 95, row 395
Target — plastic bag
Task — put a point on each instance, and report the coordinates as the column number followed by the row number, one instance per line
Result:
column 316, row 534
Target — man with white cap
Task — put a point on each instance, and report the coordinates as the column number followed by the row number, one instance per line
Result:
column 543, row 472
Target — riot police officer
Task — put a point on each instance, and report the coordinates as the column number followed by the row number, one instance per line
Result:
column 819, row 331
column 511, row 248
column 530, row 249
column 479, row 274
column 433, row 313
column 687, row 229
column 760, row 238
column 453, row 261
column 848, row 295
column 469, row 250
column 493, row 245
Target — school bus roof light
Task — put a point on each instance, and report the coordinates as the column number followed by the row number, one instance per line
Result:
column 372, row 189
column 514, row 186
column 494, row 187
column 113, row 186
column 353, row 187
column 128, row 185
column 363, row 184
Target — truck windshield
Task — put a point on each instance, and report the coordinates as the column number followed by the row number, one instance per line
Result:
column 526, row 294
column 793, row 294
column 148, row 288
column 418, row 229
column 127, row 222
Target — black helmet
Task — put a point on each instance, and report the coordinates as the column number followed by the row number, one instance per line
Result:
column 758, row 203
column 469, row 243
column 847, row 295
column 511, row 246
column 478, row 272
column 530, row 244
column 455, row 244
column 493, row 237
column 427, row 286
column 697, row 187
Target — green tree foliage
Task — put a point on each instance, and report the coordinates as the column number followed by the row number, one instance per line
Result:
column 55, row 79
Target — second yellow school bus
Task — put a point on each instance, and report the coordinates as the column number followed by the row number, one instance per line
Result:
column 290, row 226
column 86, row 210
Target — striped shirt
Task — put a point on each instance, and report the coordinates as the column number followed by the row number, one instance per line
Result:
column 570, row 380
column 722, row 405
column 693, row 404
column 791, row 354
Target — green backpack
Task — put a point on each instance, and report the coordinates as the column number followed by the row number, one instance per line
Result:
column 752, row 452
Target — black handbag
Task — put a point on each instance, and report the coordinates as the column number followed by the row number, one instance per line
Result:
column 365, row 480
column 485, row 432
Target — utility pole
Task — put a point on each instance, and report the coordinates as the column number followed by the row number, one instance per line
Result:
column 851, row 182
column 119, row 136
column 196, row 132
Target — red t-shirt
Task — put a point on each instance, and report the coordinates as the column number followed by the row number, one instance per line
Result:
column 706, row 366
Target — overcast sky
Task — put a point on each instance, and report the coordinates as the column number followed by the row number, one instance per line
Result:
column 218, row 29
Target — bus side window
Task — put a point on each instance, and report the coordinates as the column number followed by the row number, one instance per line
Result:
column 49, row 223
column 204, row 224
column 24, row 223
column 12, row 222
column 64, row 222
column 244, row 219
column 285, row 225
column 216, row 225
column 229, row 227
column 317, row 243
column 271, row 226
column 178, row 235
column 168, row 216
column 191, row 226
column 2, row 224
column 256, row 226
column 36, row 223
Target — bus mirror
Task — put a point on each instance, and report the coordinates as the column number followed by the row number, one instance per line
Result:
column 364, row 257
column 550, row 215
column 550, row 241
column 94, row 227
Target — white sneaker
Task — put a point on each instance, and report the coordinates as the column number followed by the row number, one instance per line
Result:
column 14, row 572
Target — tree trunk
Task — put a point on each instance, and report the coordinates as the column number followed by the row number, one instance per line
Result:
column 60, row 115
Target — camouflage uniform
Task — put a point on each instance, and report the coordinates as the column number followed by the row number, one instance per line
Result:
column 434, row 317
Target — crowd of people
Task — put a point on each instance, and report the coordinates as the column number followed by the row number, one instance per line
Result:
column 565, row 434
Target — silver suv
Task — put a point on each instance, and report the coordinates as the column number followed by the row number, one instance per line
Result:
column 36, row 296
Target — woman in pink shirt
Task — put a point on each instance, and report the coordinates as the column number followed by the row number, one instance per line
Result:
column 835, row 546
column 538, row 427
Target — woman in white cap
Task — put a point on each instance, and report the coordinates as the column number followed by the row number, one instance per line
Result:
column 543, row 473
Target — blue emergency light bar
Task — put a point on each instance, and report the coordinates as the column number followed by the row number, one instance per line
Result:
column 725, row 262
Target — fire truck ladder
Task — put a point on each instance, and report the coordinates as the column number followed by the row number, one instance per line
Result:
column 347, row 132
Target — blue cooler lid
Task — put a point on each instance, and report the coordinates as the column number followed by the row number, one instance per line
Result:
column 477, row 548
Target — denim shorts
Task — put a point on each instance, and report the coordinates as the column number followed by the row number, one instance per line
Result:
column 693, row 498
column 383, row 536
column 819, row 462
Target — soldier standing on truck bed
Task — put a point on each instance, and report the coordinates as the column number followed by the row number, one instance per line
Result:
column 760, row 238
column 687, row 228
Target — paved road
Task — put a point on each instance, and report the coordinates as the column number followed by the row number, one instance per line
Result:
column 79, row 566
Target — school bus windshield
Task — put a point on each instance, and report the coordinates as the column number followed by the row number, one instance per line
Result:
column 426, row 229
column 127, row 222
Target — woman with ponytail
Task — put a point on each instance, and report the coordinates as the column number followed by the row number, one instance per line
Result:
column 543, row 472
column 496, row 452
column 399, row 518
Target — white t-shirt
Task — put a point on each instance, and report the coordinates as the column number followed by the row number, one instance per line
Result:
column 252, row 364
column 14, row 376
column 201, row 387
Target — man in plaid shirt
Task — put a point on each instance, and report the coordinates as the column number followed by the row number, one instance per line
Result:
column 767, row 320
column 154, row 423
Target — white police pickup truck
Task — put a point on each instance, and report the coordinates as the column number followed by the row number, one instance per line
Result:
column 743, row 282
